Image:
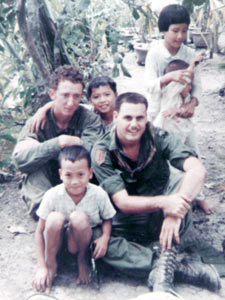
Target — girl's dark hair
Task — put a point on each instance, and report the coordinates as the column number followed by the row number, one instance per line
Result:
column 66, row 72
column 101, row 81
column 176, row 64
column 172, row 14
column 74, row 153
column 134, row 98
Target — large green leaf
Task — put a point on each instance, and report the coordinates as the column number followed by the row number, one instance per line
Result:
column 116, row 71
column 135, row 14
column 117, row 59
column 84, row 4
column 2, row 49
column 8, row 137
column 125, row 71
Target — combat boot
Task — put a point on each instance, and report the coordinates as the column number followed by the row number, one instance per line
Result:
column 197, row 273
column 162, row 275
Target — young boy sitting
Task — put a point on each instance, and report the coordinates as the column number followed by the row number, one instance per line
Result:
column 78, row 206
column 102, row 93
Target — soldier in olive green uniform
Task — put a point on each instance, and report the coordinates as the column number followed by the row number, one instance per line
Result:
column 67, row 124
column 131, row 164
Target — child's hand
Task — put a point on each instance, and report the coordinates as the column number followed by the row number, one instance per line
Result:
column 38, row 121
column 171, row 112
column 181, row 76
column 101, row 246
column 40, row 282
column 197, row 60
column 188, row 109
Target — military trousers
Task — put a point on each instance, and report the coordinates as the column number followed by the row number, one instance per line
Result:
column 133, row 253
column 34, row 187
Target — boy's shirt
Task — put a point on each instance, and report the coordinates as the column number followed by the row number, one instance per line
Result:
column 106, row 128
column 95, row 203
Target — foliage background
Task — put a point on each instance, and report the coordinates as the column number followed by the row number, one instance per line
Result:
column 36, row 36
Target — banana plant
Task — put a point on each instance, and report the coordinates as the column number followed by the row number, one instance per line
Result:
column 144, row 19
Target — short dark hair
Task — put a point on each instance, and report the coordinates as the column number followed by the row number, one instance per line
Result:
column 172, row 14
column 74, row 153
column 134, row 98
column 101, row 81
column 65, row 72
column 176, row 64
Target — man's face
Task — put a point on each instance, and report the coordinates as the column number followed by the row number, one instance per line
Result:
column 175, row 36
column 67, row 98
column 130, row 123
column 103, row 99
column 75, row 176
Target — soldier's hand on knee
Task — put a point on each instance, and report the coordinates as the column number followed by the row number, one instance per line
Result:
column 176, row 206
column 169, row 231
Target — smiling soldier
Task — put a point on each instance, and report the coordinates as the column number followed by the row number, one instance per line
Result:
column 67, row 124
column 131, row 164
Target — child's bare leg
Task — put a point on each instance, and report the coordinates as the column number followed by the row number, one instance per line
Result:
column 79, row 241
column 208, row 209
column 54, row 234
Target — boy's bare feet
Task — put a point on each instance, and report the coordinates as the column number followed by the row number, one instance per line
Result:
column 84, row 273
column 208, row 209
column 51, row 274
column 44, row 278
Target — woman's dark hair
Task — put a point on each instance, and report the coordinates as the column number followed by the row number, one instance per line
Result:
column 172, row 14
column 74, row 153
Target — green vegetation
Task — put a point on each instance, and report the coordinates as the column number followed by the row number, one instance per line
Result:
column 36, row 36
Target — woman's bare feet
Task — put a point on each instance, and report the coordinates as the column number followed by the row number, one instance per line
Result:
column 208, row 209
column 84, row 273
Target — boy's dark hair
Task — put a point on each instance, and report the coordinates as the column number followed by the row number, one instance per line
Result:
column 65, row 72
column 172, row 14
column 74, row 153
column 101, row 81
column 176, row 64
column 134, row 98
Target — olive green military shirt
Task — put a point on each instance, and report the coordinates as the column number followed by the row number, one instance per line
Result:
column 84, row 124
column 148, row 176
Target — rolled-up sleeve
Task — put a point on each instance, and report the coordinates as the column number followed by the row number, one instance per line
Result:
column 173, row 149
column 31, row 158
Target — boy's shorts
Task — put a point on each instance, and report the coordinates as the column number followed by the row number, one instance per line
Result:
column 64, row 257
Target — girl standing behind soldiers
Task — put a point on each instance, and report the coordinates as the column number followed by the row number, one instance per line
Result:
column 173, row 22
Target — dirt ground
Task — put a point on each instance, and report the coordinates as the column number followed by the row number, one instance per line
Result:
column 17, row 255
